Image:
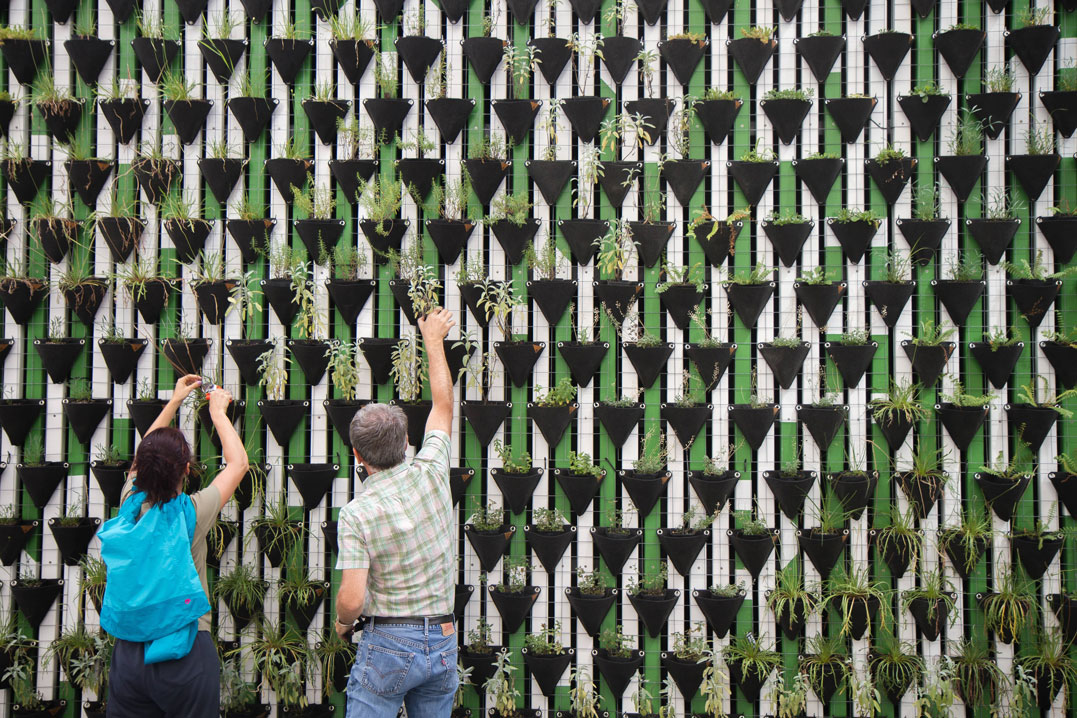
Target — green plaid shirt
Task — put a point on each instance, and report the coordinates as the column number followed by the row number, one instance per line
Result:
column 401, row 528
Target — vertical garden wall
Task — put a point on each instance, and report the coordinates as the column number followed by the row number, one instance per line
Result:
column 766, row 319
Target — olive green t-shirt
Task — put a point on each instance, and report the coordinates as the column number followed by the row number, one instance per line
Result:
column 207, row 506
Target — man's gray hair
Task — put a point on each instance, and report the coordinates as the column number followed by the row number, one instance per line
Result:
column 379, row 432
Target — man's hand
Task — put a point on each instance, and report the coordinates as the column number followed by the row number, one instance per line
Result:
column 435, row 326
column 184, row 387
column 345, row 632
column 219, row 399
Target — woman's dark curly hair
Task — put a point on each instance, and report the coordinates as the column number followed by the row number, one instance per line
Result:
column 161, row 463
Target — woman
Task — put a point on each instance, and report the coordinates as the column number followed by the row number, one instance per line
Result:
column 187, row 687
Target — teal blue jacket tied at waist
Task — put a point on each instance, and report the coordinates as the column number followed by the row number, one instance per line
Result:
column 152, row 594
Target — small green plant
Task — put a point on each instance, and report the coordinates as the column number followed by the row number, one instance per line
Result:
column 789, row 94
column 546, row 641
column 509, row 463
column 563, row 393
column 512, row 208
column 409, row 369
column 759, row 274
column 480, row 639
column 592, row 583
column 615, row 643
column 851, row 214
column 488, row 518
column 654, row 454
column 786, row 217
column 846, row 589
column 902, row 403
column 756, row 32
column 749, row 524
column 583, row 696
column 926, row 90
column 581, row 464
column 890, row 154
column 964, row 267
column 752, row 659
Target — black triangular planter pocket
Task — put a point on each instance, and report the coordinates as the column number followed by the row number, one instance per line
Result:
column 18, row 415
column 684, row 177
column 419, row 53
column 303, row 614
column 24, row 57
column 484, row 55
column 121, row 234
column 73, row 542
column 617, row 297
column 718, row 239
column 682, row 55
column 1033, row 297
column 288, row 175
column 311, row 357
column 522, row 10
column 751, row 55
column 245, row 353
column 820, row 52
column 83, row 417
column 450, row 114
column 144, row 412
column 583, row 360
column 720, row 611
column 519, row 359
column 717, row 117
column 889, row 298
column 458, row 480
column 416, row 413
column 121, row 357
column 962, row 556
column 85, row 299
column 378, row 354
column 680, row 300
column 1033, row 171
column 716, row 10
column 962, row 423
column 419, row 174
column 1030, row 423
column 644, row 489
column 754, row 422
column 854, row 491
column 353, row 57
column 190, row 10
column 682, row 549
column 896, row 554
column 87, row 177
column 26, row 177
column 253, row 115
column 61, row 118
column 387, row 114
column 124, row 116
column 155, row 55
column 450, row 237
column 753, row 551
column 579, row 488
column 591, row 610
column 324, row 115
column 894, row 430
column 931, row 615
column 1032, row 45
column 1065, row 484
column 35, row 601
column 788, row 239
column 819, row 299
column 155, row 177
column 928, row 361
column 485, row 417
column 481, row 664
column 713, row 490
column 58, row 356
column 822, row 548
column 552, row 421
column 959, row 47
column 553, row 54
column 552, row 296
column 924, row 113
column 851, row 115
column 655, row 112
column 188, row 117
column 923, row 492
column 40, row 481
column 550, row 176
column 1063, row 358
column 341, row 412
column 472, row 294
column 314, row 481
column 888, row 50
column 687, row 421
column 1062, row 106
column 221, row 176
column 615, row 549
column 6, row 346
column 617, row 672
column 752, row 178
column 993, row 109
column 852, row 360
column 585, row 114
column 384, row 236
column 962, row 172
column 1065, row 608
column 786, row 116
column 56, row 236
column 618, row 54
column 617, row 179
column 516, row 117
column 549, row 547
column 281, row 297
column 89, row 55
column 924, row 237
column 288, row 55
column 222, row 55
column 654, row 612
column 581, row 235
column 822, row 422
column 547, row 670
column 586, row 10
column 189, row 237
column 998, row 364
column 749, row 300
column 651, row 240
column 486, row 177
column 13, row 538
column 251, row 236
column 790, row 491
column 489, row 546
column 618, row 421
column 7, row 111
column 1001, row 493
column 648, row 361
column 319, row 236
column 1036, row 555
column 891, row 176
column 185, row 356
column 213, row 299
column 959, row 297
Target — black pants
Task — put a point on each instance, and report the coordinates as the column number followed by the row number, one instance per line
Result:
column 186, row 688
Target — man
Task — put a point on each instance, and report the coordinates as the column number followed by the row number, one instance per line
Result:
column 397, row 552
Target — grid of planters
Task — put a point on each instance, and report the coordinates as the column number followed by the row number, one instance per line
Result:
column 741, row 430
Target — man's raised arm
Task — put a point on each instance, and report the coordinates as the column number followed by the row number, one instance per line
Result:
column 435, row 327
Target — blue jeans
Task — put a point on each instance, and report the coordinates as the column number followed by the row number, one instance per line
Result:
column 398, row 664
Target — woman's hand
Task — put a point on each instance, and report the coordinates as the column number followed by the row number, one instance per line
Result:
column 219, row 399
column 184, row 387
